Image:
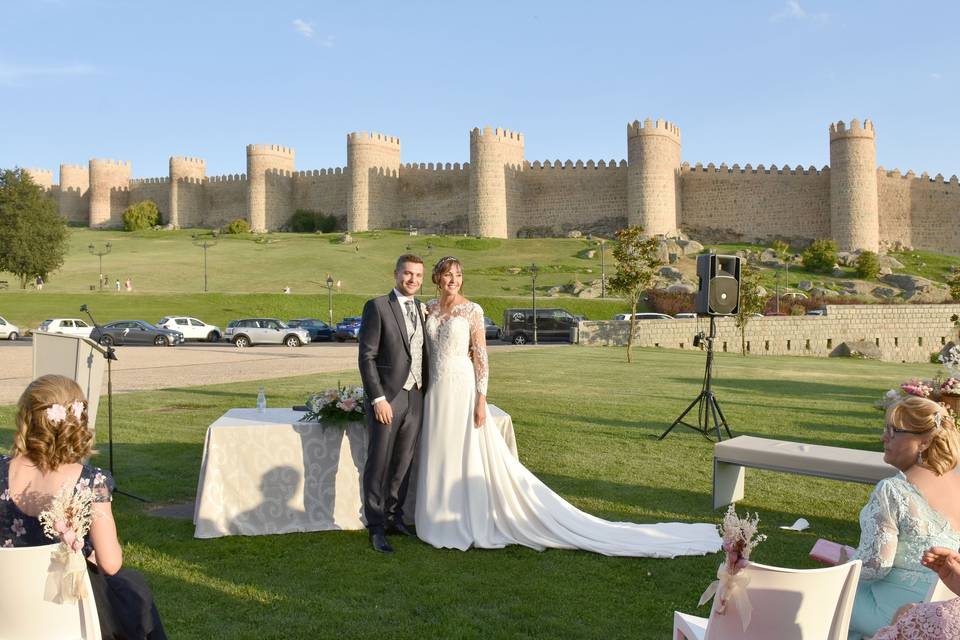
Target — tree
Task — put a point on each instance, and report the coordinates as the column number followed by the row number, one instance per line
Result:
column 33, row 236
column 752, row 300
column 820, row 256
column 780, row 248
column 868, row 265
column 141, row 215
column 636, row 258
column 954, row 283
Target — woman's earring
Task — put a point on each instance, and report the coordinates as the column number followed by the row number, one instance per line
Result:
column 920, row 457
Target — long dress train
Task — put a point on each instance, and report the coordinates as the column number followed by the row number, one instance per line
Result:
column 471, row 491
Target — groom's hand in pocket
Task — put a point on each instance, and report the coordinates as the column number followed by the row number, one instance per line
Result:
column 383, row 412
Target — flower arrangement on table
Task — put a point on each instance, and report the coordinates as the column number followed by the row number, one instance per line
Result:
column 68, row 520
column 341, row 404
column 945, row 391
column 740, row 536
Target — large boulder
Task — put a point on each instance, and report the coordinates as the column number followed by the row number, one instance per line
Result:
column 591, row 290
column 907, row 282
column 805, row 285
column 681, row 287
column 884, row 293
column 847, row 258
column 933, row 295
column 857, row 349
column 670, row 273
column 690, row 247
column 889, row 261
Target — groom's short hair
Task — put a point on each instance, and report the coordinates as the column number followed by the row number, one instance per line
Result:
column 408, row 257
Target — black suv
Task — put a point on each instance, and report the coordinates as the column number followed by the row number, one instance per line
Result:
column 553, row 325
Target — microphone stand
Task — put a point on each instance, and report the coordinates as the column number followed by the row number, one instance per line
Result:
column 110, row 355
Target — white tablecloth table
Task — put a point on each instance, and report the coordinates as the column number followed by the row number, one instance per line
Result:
column 267, row 472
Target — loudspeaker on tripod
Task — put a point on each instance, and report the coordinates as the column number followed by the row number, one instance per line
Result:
column 719, row 292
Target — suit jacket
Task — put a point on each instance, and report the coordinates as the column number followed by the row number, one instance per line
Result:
column 384, row 358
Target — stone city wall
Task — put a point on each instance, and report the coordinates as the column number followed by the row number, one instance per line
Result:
column 563, row 196
column 433, row 198
column 902, row 333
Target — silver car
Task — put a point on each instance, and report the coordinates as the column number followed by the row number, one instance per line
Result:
column 8, row 331
column 251, row 331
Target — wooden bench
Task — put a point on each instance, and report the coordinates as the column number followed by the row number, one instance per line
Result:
column 731, row 457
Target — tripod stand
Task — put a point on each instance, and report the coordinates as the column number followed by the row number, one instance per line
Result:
column 708, row 409
column 110, row 355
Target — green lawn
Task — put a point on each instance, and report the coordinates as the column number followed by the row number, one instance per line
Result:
column 586, row 424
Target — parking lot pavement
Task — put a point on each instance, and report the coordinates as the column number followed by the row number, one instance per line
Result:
column 192, row 364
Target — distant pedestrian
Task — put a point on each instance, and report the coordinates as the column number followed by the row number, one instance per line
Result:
column 286, row 289
column 128, row 285
column 39, row 283
column 117, row 284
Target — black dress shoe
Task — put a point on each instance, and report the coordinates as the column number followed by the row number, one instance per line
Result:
column 400, row 529
column 379, row 542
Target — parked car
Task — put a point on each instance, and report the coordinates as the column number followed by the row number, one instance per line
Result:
column 8, row 331
column 492, row 330
column 191, row 328
column 817, row 312
column 66, row 326
column 774, row 313
column 251, row 331
column 552, row 325
column 122, row 332
column 643, row 316
column 687, row 315
column 347, row 329
column 318, row 329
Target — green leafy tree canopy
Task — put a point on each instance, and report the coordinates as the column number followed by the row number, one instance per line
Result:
column 637, row 259
column 33, row 236
column 142, row 215
column 752, row 300
column 820, row 256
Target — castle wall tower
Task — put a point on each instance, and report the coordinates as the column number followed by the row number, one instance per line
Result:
column 496, row 155
column 74, row 196
column 653, row 169
column 109, row 182
column 42, row 177
column 186, row 191
column 270, row 170
column 854, row 207
column 373, row 161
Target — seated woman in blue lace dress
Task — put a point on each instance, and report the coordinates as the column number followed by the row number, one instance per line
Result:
column 908, row 513
column 49, row 446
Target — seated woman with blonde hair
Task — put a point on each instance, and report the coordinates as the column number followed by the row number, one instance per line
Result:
column 49, row 447
column 907, row 513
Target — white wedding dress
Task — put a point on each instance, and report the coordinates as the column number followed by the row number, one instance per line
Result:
column 471, row 491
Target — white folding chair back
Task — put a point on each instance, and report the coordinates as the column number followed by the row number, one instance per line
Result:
column 788, row 604
column 23, row 611
column 939, row 592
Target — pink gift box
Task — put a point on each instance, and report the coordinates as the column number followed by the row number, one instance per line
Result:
column 828, row 552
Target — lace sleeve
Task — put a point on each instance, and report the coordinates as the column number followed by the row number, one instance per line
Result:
column 103, row 485
column 478, row 349
column 879, row 532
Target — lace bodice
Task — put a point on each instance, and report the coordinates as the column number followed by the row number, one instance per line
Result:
column 896, row 527
column 455, row 335
column 926, row 621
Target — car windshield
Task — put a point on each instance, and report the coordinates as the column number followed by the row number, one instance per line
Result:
column 45, row 324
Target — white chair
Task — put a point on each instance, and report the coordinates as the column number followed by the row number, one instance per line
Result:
column 23, row 611
column 807, row 604
column 939, row 592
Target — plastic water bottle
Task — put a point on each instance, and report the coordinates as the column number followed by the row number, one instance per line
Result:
column 261, row 400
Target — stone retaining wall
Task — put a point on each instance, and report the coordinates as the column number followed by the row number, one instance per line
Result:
column 903, row 333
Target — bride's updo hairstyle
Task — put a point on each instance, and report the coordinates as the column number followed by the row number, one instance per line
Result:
column 49, row 431
column 925, row 417
column 444, row 265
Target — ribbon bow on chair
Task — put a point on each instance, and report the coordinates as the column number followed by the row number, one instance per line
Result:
column 730, row 587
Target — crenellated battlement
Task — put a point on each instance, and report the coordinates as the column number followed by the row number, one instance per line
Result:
column 316, row 173
column 650, row 127
column 589, row 165
column 785, row 170
column 286, row 173
column 497, row 134
column 33, row 171
column 839, row 130
column 188, row 160
column 923, row 177
column 163, row 180
column 362, row 137
column 235, row 177
column 74, row 167
column 270, row 149
column 100, row 162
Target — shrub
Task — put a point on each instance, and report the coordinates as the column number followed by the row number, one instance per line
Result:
column 142, row 215
column 672, row 303
column 868, row 265
column 306, row 221
column 820, row 256
column 238, row 226
column 954, row 283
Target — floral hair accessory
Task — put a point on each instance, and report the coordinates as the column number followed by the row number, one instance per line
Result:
column 937, row 422
column 56, row 413
column 76, row 408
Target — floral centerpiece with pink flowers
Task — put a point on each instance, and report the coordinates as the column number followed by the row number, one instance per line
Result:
column 740, row 536
column 341, row 404
column 68, row 520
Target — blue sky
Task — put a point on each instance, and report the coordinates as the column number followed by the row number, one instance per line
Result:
column 755, row 82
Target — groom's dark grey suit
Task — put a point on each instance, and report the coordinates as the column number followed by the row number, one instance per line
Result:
column 385, row 368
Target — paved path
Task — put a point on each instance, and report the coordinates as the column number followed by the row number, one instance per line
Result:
column 190, row 365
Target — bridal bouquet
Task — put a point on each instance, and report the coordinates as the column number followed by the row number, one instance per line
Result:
column 740, row 536
column 341, row 403
column 68, row 519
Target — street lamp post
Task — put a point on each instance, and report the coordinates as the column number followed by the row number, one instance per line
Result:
column 100, row 253
column 533, row 279
column 603, row 272
column 779, row 273
column 330, row 298
column 205, row 242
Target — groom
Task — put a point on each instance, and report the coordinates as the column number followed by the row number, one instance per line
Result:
column 393, row 367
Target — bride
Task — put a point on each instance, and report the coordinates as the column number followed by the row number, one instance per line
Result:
column 471, row 491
